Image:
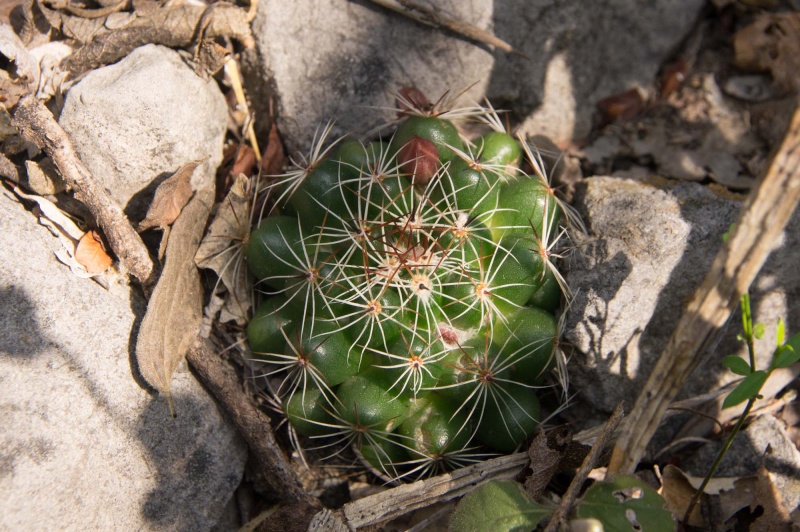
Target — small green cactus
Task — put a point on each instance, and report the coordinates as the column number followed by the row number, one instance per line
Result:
column 411, row 289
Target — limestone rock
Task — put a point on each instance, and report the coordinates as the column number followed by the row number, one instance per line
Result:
column 651, row 244
column 143, row 118
column 335, row 59
column 82, row 445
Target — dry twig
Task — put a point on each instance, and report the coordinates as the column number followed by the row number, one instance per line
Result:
column 588, row 464
column 222, row 380
column 760, row 224
column 37, row 125
column 428, row 16
column 398, row 501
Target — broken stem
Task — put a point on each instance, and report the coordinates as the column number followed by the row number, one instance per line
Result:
column 222, row 380
column 428, row 16
column 586, row 467
column 37, row 125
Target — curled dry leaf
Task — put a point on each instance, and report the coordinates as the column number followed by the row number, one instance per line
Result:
column 771, row 43
column 220, row 250
column 274, row 156
column 174, row 312
column 170, row 198
column 545, row 452
column 21, row 76
column 91, row 253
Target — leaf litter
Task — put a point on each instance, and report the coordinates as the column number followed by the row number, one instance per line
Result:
column 220, row 250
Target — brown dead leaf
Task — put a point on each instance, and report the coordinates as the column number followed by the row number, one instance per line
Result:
column 678, row 492
column 170, row 198
column 545, row 453
column 245, row 159
column 622, row 106
column 771, row 44
column 174, row 312
column 221, row 250
column 91, row 253
column 274, row 156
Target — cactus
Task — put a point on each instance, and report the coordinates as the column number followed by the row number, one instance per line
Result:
column 411, row 289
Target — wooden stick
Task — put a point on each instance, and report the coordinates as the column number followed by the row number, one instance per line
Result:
column 425, row 15
column 36, row 124
column 763, row 219
column 398, row 501
column 588, row 464
column 222, row 380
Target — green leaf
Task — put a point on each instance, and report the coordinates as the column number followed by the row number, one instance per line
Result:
column 737, row 365
column 627, row 503
column 497, row 505
column 746, row 389
column 758, row 330
column 785, row 356
column 781, row 333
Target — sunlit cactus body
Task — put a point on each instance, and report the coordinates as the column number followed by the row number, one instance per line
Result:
column 411, row 287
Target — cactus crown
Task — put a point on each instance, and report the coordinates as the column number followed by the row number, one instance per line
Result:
column 411, row 290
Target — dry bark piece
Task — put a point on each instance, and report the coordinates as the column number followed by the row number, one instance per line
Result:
column 37, row 125
column 91, row 253
column 398, row 501
column 175, row 309
column 174, row 26
column 425, row 14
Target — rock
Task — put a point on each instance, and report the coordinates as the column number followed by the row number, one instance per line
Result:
column 577, row 53
column 651, row 245
column 765, row 441
column 82, row 445
column 143, row 118
column 332, row 59
column 337, row 60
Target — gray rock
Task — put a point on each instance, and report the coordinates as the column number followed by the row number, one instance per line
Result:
column 764, row 441
column 82, row 445
column 651, row 245
column 139, row 119
column 330, row 59
column 578, row 53
column 336, row 60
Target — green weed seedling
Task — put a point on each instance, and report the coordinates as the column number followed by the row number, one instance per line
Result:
column 785, row 354
column 410, row 286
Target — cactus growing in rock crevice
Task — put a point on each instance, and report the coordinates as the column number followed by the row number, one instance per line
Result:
column 411, row 293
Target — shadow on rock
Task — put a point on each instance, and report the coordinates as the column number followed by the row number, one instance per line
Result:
column 21, row 335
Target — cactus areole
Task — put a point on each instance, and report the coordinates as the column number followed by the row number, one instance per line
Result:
column 409, row 294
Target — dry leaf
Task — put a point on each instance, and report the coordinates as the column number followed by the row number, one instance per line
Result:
column 21, row 75
column 771, row 43
column 170, row 198
column 678, row 492
column 91, row 253
column 174, row 312
column 545, row 453
column 274, row 156
column 220, row 250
